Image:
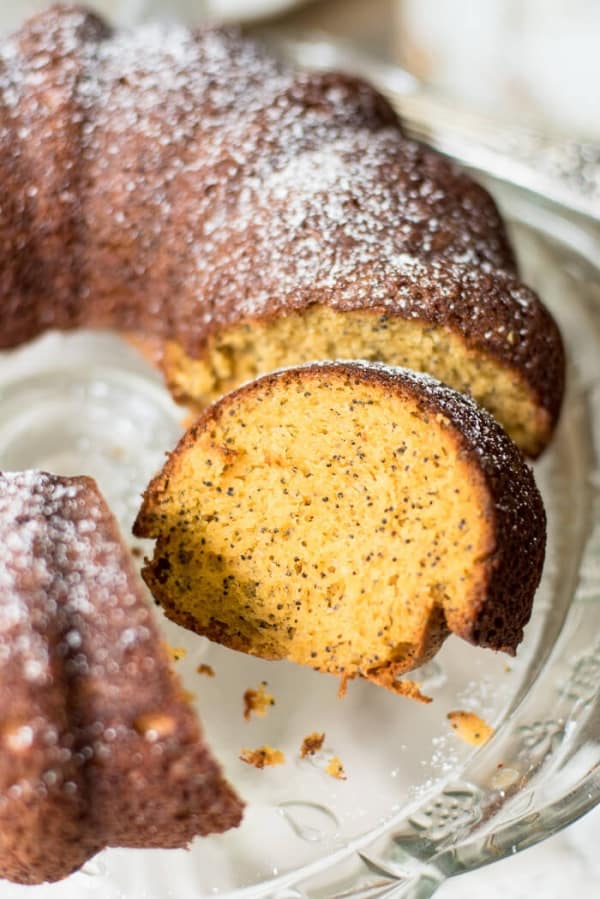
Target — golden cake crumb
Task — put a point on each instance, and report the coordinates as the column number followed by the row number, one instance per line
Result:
column 205, row 669
column 470, row 727
column 263, row 757
column 257, row 701
column 335, row 768
column 176, row 652
column 311, row 744
column 388, row 677
column 343, row 687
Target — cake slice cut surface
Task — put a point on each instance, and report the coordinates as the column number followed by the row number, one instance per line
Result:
column 346, row 516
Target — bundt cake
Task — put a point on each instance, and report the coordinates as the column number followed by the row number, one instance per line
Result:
column 187, row 189
column 346, row 516
column 98, row 746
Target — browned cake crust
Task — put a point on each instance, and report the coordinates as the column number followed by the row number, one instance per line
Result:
column 491, row 612
column 97, row 745
column 175, row 183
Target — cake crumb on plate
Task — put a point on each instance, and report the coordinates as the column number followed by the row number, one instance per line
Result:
column 311, row 744
column 470, row 727
column 205, row 669
column 263, row 757
column 176, row 652
column 335, row 768
column 257, row 701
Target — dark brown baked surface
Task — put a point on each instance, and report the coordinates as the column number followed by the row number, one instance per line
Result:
column 98, row 746
column 183, row 186
column 177, row 184
column 346, row 516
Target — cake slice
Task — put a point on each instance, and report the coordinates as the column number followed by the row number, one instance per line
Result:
column 98, row 746
column 346, row 516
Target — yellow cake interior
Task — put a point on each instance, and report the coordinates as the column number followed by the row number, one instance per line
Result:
column 241, row 352
column 324, row 520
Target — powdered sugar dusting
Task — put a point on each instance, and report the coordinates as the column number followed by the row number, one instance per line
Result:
column 97, row 746
column 199, row 183
column 59, row 572
column 64, row 582
column 224, row 147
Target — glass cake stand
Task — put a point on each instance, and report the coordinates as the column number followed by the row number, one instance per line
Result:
column 418, row 805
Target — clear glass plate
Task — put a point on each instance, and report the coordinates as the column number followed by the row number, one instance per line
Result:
column 418, row 804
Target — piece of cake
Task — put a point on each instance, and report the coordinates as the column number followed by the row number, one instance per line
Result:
column 98, row 747
column 346, row 516
column 235, row 215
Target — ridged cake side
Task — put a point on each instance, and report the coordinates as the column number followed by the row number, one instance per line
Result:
column 98, row 745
